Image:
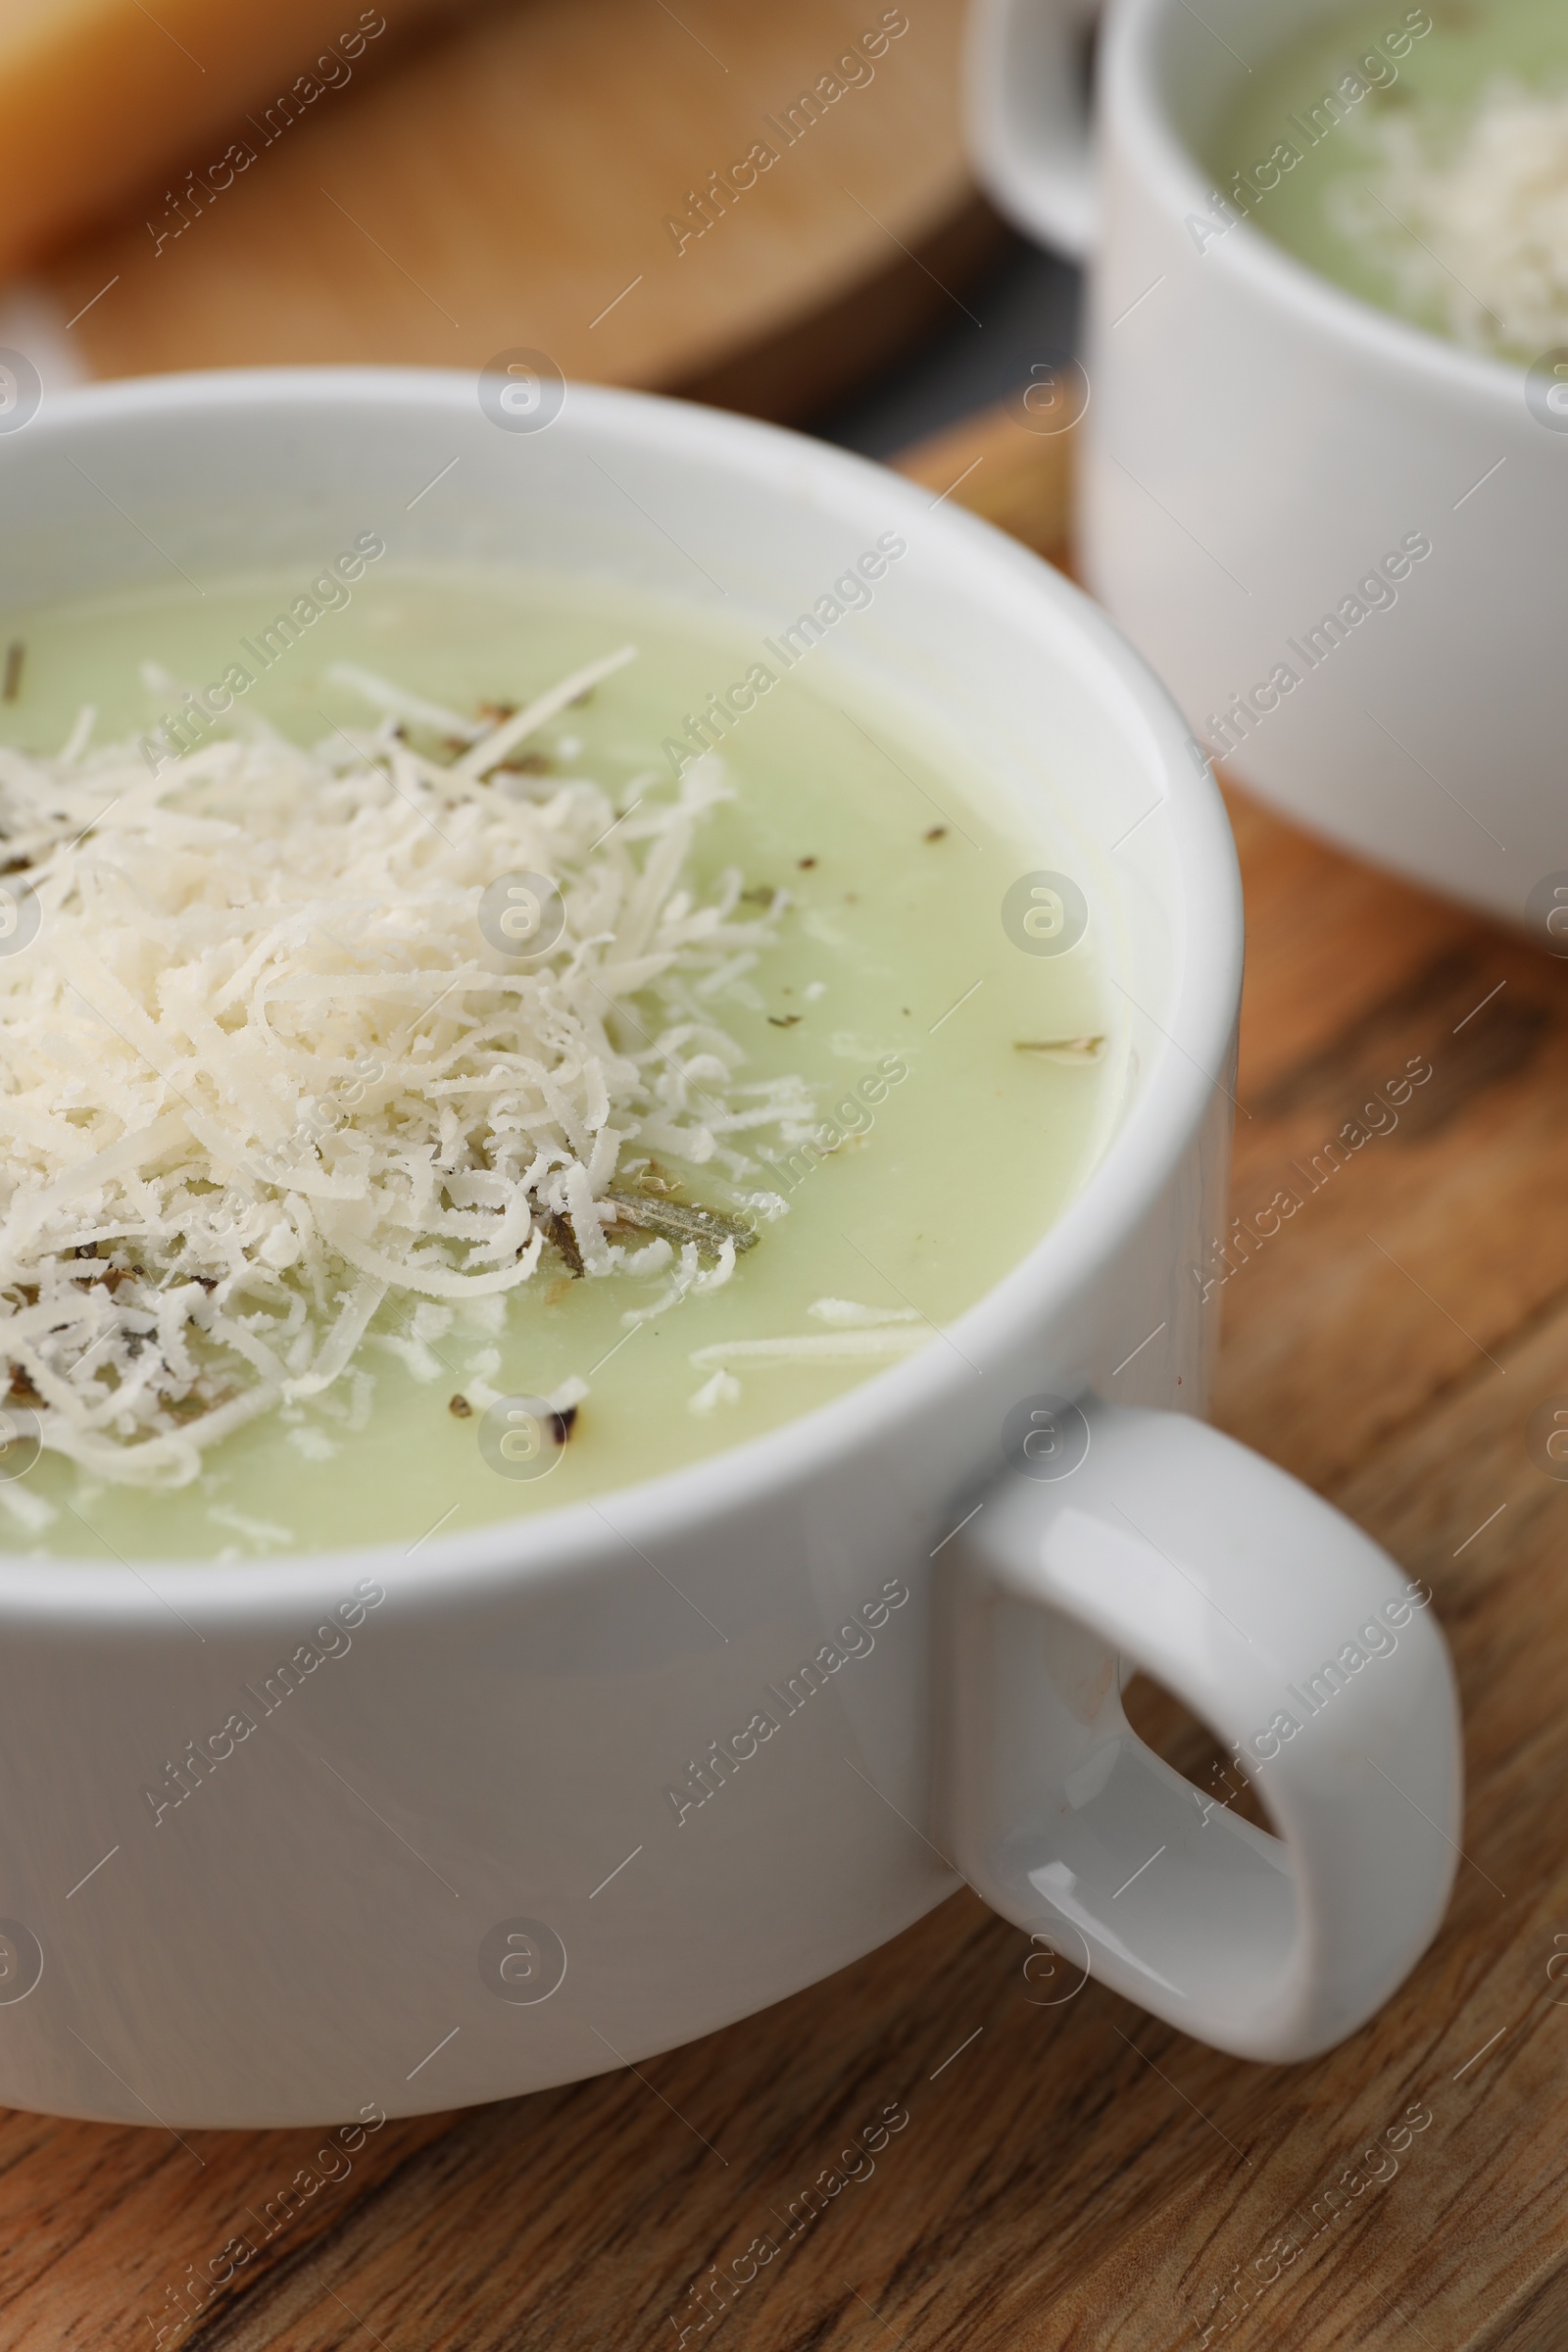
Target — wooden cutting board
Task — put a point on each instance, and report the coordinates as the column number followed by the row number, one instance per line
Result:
column 1073, row 2177
column 522, row 178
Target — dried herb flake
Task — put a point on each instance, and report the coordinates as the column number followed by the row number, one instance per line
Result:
column 677, row 1223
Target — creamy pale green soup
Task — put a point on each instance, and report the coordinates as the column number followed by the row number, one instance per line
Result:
column 1419, row 158
column 894, row 990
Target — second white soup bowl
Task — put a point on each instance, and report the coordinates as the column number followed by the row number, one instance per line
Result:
column 1259, row 444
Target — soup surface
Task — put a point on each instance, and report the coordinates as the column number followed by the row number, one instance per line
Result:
column 1420, row 158
column 927, row 1096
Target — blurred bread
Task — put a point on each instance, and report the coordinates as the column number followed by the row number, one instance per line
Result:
column 102, row 99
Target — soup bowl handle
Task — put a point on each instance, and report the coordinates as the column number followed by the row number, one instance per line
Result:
column 1028, row 131
column 1147, row 1540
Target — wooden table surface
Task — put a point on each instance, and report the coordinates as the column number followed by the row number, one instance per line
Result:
column 1071, row 2174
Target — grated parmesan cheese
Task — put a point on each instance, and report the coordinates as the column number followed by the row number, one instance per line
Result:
column 1468, row 214
column 857, row 1332
column 261, row 1072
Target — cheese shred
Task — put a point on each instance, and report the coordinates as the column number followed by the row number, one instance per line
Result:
column 1466, row 210
column 265, row 1079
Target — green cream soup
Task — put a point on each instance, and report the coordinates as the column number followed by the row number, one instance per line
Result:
column 842, row 1115
column 1419, row 158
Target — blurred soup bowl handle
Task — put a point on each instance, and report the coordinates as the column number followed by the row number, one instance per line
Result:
column 1027, row 117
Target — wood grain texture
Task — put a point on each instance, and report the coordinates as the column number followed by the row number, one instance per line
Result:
column 1071, row 2175
column 1011, row 464
column 508, row 185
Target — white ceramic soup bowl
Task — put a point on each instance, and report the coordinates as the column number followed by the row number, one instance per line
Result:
column 1260, row 443
column 550, row 1796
